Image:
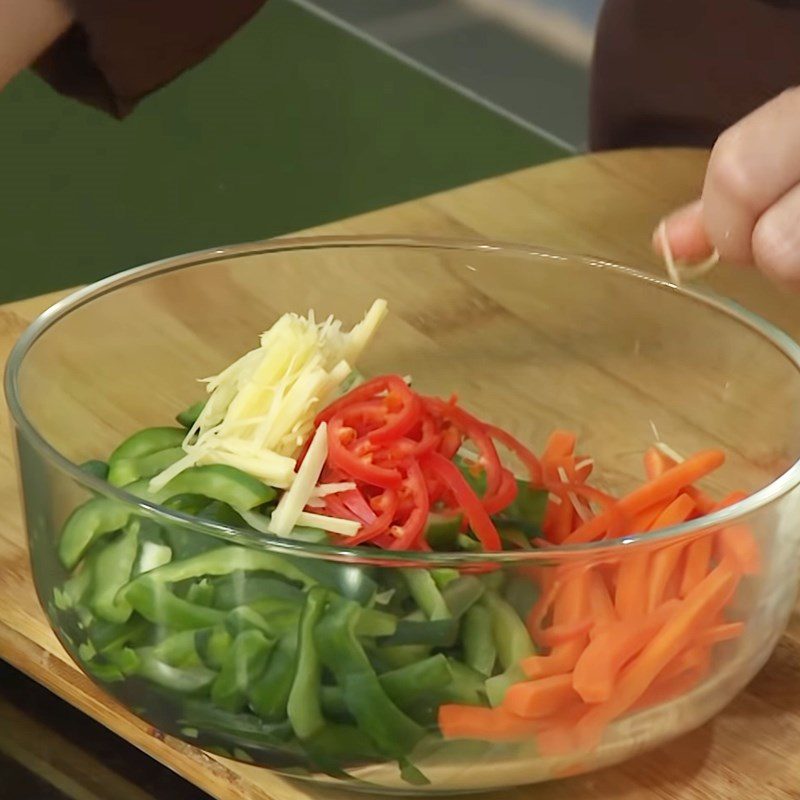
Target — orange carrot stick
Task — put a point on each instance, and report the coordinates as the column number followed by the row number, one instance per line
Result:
column 559, row 444
column 571, row 605
column 643, row 521
column 666, row 558
column 657, row 463
column 676, row 512
column 601, row 607
column 570, row 466
column 600, row 663
column 630, row 599
column 540, row 698
column 557, row 736
column 564, row 520
column 562, row 658
column 663, row 487
column 551, row 585
column 698, row 558
column 662, row 568
column 737, row 541
column 719, row 633
column 664, row 689
column 705, row 601
column 478, row 722
column 558, row 634
column 739, row 545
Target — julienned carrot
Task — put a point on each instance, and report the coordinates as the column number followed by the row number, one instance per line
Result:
column 558, row 634
column 665, row 558
column 557, row 736
column 656, row 463
column 662, row 568
column 560, row 443
column 540, row 698
column 663, row 487
column 478, row 722
column 643, row 521
column 689, row 660
column 612, row 648
column 719, row 633
column 600, row 602
column 570, row 605
column 737, row 541
column 701, row 605
column 561, row 659
column 564, row 520
column 551, row 511
column 588, row 493
column 631, row 596
column 576, row 468
column 559, row 515
column 667, row 688
column 551, row 584
column 698, row 558
column 679, row 510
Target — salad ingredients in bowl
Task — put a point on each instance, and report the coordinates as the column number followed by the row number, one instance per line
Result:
column 340, row 565
column 333, row 666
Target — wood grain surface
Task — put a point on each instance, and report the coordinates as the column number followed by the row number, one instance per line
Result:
column 602, row 205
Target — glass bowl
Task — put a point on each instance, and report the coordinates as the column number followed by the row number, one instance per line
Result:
column 528, row 339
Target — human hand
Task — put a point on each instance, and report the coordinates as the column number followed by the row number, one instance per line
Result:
column 750, row 206
column 27, row 29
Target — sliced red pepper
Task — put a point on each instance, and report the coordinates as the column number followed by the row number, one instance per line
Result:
column 406, row 447
column 402, row 420
column 505, row 496
column 334, row 507
column 386, row 504
column 356, row 502
column 357, row 467
column 365, row 391
column 407, row 534
column 475, row 430
column 467, row 500
column 526, row 456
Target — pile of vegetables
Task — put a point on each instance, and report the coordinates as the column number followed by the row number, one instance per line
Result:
column 308, row 664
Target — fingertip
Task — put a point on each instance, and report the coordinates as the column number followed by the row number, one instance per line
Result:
column 685, row 233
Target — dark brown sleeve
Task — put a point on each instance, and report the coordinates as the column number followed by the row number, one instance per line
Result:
column 680, row 72
column 119, row 51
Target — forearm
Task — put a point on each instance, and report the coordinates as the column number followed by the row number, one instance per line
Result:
column 27, row 29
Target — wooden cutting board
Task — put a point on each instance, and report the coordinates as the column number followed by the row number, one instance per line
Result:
column 603, row 205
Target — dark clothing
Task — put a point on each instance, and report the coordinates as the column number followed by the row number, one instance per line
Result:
column 118, row 51
column 665, row 72
column 678, row 72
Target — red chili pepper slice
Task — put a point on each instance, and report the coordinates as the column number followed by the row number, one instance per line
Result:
column 531, row 462
column 411, row 530
column 475, row 430
column 356, row 502
column 402, row 420
column 387, row 505
column 467, row 500
column 365, row 391
column 357, row 467
column 505, row 496
column 334, row 507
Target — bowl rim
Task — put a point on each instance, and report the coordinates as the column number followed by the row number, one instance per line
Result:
column 773, row 491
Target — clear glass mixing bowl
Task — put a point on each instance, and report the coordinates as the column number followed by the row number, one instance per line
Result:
column 530, row 340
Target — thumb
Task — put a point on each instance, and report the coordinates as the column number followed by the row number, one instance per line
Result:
column 685, row 234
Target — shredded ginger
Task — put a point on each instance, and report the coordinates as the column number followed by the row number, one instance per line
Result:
column 261, row 408
column 678, row 272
